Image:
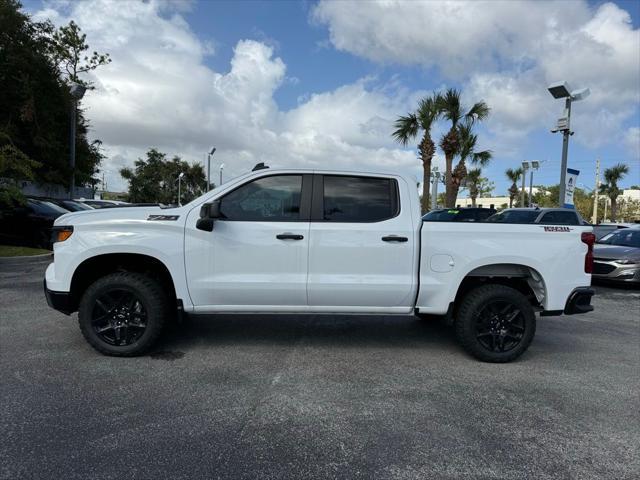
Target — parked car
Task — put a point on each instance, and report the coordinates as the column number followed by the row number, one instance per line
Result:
column 71, row 205
column 305, row 242
column 95, row 203
column 617, row 256
column 29, row 224
column 546, row 216
column 603, row 229
column 467, row 214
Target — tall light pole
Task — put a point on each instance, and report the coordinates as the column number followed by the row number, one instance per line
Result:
column 209, row 155
column 594, row 217
column 525, row 167
column 435, row 178
column 221, row 168
column 535, row 165
column 77, row 92
column 562, row 90
column 179, row 185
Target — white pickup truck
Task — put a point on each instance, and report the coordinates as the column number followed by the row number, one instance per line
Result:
column 319, row 242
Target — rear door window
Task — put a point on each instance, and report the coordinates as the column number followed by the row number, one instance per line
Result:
column 358, row 199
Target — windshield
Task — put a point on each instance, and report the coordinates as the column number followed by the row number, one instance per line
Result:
column 623, row 238
column 46, row 208
column 515, row 216
column 75, row 206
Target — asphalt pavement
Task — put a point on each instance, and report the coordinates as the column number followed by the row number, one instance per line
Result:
column 318, row 397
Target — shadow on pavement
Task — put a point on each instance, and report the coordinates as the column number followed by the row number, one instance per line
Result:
column 329, row 330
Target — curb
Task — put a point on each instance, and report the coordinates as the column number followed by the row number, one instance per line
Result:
column 27, row 260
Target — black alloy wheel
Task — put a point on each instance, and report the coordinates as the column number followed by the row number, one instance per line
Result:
column 118, row 317
column 500, row 326
column 495, row 323
column 124, row 313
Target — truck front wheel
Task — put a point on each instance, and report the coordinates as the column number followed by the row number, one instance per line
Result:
column 495, row 323
column 123, row 314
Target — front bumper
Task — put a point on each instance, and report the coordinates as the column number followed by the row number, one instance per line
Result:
column 60, row 301
column 579, row 301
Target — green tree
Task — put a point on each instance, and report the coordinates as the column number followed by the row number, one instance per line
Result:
column 68, row 50
column 467, row 151
column 478, row 185
column 513, row 175
column 35, row 102
column 155, row 179
column 451, row 109
column 408, row 127
column 14, row 166
column 610, row 186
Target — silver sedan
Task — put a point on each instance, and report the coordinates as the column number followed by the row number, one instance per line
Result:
column 617, row 256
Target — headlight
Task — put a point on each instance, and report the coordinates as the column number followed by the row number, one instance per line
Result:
column 627, row 261
column 61, row 233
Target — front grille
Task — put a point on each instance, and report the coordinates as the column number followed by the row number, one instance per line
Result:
column 602, row 268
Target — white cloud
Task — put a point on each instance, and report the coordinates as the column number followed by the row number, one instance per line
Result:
column 506, row 52
column 158, row 92
column 632, row 143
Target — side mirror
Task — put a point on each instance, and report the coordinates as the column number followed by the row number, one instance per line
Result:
column 208, row 212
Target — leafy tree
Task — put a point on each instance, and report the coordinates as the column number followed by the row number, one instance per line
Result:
column 610, row 187
column 35, row 103
column 408, row 127
column 155, row 179
column 478, row 185
column 467, row 151
column 68, row 51
column 513, row 175
column 14, row 166
column 451, row 109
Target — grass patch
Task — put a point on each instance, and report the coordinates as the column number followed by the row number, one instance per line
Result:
column 12, row 251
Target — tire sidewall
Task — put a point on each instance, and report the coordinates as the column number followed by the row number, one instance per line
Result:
column 479, row 298
column 143, row 288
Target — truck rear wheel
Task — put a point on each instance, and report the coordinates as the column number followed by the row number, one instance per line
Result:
column 123, row 314
column 495, row 323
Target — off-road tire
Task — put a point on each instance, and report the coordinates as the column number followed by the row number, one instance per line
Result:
column 471, row 306
column 149, row 293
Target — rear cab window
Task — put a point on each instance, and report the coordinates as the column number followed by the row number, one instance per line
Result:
column 355, row 199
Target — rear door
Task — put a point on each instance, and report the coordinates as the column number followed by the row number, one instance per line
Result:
column 361, row 245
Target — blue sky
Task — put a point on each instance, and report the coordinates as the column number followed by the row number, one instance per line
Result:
column 320, row 83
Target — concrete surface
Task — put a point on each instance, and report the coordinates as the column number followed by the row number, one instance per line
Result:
column 280, row 397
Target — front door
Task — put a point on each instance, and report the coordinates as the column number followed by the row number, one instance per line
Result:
column 256, row 256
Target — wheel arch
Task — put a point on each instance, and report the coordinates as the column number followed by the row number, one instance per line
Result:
column 524, row 278
column 98, row 266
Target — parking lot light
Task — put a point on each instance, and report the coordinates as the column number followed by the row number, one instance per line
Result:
column 563, row 90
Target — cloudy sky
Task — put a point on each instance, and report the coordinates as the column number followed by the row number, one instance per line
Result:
column 320, row 83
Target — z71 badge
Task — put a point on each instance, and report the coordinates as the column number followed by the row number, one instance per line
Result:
column 557, row 229
column 166, row 218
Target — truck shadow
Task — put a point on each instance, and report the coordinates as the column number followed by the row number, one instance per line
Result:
column 328, row 330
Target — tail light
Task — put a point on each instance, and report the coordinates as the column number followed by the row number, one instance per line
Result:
column 588, row 238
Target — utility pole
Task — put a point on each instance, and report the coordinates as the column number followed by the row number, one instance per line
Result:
column 435, row 179
column 594, row 218
column 565, row 151
column 209, row 155
column 525, row 167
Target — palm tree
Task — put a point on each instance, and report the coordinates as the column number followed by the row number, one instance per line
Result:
column 610, row 188
column 474, row 177
column 513, row 175
column 451, row 109
column 408, row 127
column 467, row 151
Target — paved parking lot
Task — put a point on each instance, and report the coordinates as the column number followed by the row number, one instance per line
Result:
column 316, row 397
